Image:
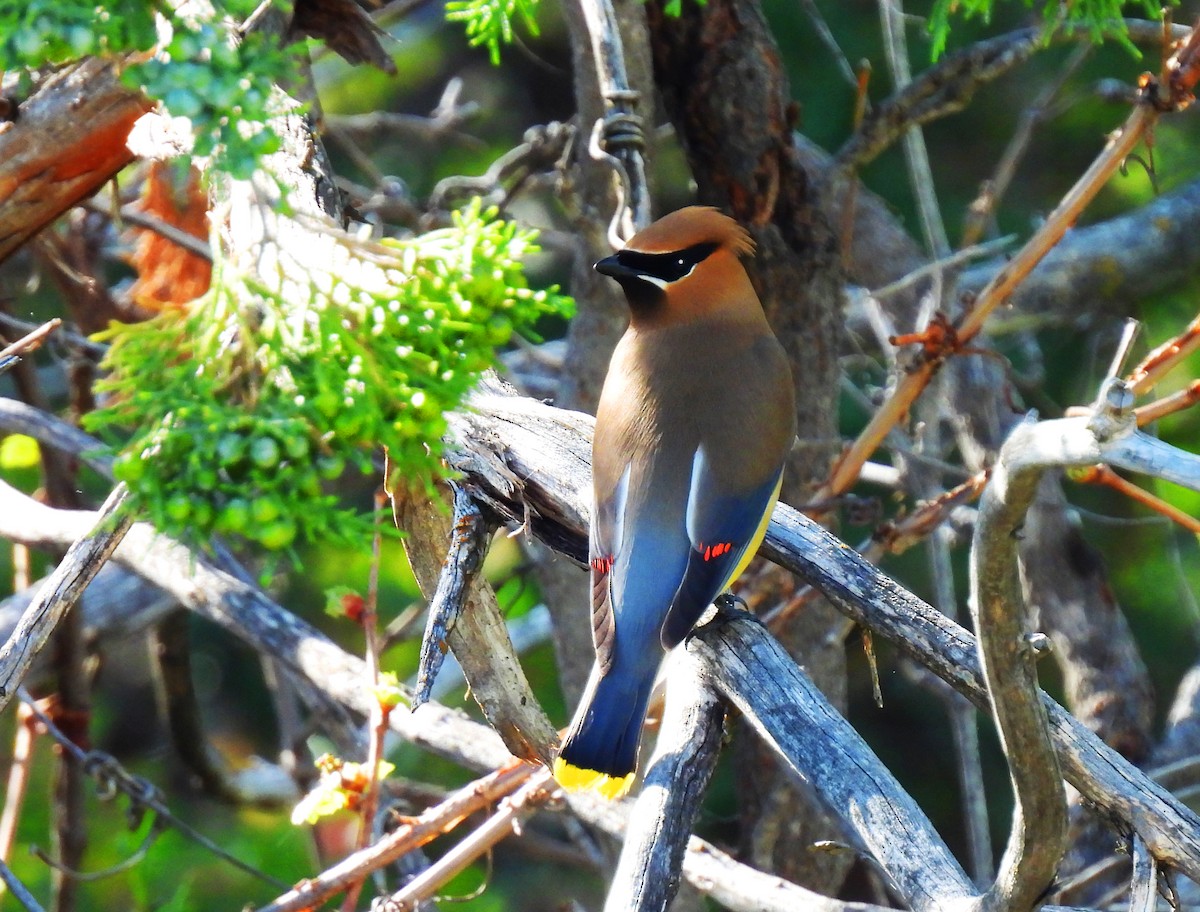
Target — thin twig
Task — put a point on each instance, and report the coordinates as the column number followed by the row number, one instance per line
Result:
column 415, row 832
column 960, row 712
column 134, row 216
column 958, row 257
column 506, row 821
column 1103, row 475
column 18, row 889
column 377, row 723
column 916, row 155
column 18, row 782
column 10, row 355
column 1168, row 405
column 826, row 36
column 993, row 190
column 940, row 90
column 1119, row 145
column 1158, row 362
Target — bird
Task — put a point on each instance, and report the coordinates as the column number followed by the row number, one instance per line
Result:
column 695, row 420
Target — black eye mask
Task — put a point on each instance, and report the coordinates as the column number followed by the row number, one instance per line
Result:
column 666, row 267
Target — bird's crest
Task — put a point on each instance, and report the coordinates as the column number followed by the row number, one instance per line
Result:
column 691, row 227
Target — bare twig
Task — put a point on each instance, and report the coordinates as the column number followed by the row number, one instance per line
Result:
column 916, row 156
column 442, row 123
column 111, row 778
column 10, row 355
column 939, row 91
column 18, row 889
column 18, row 782
column 957, row 258
column 378, row 720
column 414, row 833
column 993, row 190
column 1158, row 362
column 60, row 592
column 1119, row 145
column 1102, row 474
column 1168, row 405
column 1143, row 894
column 826, row 35
column 1038, row 837
column 507, row 820
column 135, row 216
column 689, row 741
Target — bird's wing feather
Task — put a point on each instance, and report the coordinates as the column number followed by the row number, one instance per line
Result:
column 724, row 531
column 605, row 539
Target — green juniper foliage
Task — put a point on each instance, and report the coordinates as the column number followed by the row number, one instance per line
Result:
column 243, row 407
column 223, row 88
column 490, row 22
column 1101, row 18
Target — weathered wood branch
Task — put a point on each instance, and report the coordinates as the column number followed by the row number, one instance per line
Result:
column 61, row 591
column 68, row 140
column 524, row 458
column 337, row 675
column 1038, row 835
column 689, row 742
column 822, row 750
column 469, row 541
column 479, row 638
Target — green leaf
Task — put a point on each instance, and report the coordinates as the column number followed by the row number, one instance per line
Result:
column 489, row 22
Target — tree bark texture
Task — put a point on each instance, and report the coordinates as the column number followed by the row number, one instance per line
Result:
column 49, row 162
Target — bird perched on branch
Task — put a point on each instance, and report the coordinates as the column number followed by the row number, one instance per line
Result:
column 694, row 423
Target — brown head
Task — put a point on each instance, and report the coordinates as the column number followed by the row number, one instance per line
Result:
column 685, row 266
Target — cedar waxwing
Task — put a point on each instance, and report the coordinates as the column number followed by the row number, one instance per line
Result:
column 695, row 420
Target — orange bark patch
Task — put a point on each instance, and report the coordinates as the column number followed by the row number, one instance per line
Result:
column 169, row 275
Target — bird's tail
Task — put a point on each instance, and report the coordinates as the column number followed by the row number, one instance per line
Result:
column 600, row 750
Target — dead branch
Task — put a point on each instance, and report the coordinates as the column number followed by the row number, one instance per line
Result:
column 1003, row 283
column 61, row 590
column 480, row 638
column 504, row 439
column 68, row 142
column 437, row 820
column 649, row 870
column 469, row 541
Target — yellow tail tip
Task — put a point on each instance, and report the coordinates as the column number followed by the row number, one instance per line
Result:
column 575, row 779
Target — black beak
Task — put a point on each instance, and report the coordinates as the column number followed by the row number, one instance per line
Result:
column 612, row 266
